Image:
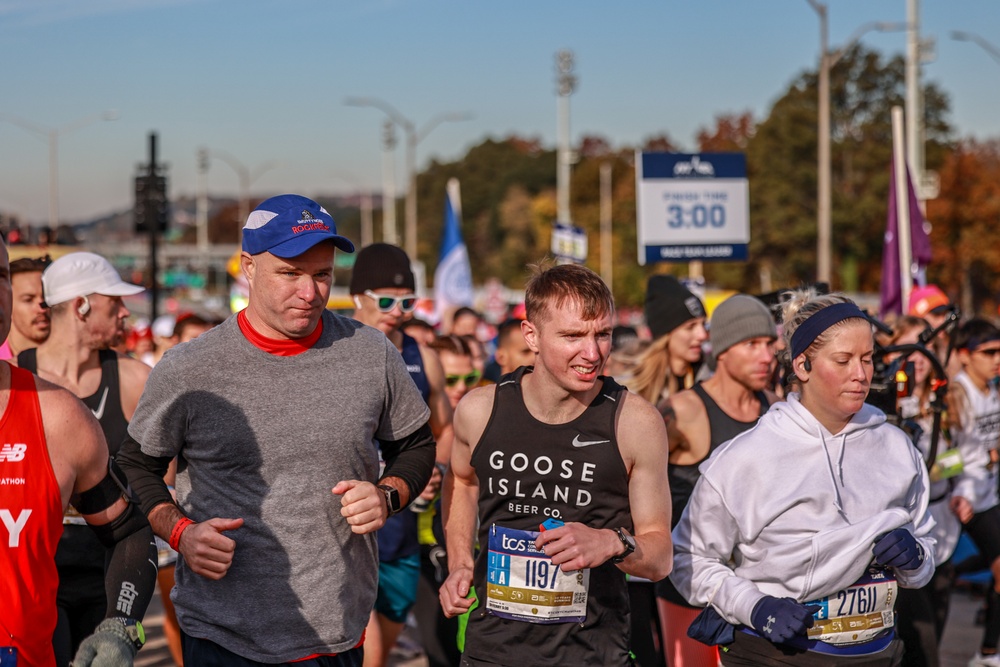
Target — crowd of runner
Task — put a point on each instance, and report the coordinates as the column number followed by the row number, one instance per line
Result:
column 781, row 481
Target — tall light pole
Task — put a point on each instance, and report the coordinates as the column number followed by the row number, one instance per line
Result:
column 413, row 137
column 246, row 177
column 565, row 85
column 389, row 183
column 52, row 135
column 824, row 226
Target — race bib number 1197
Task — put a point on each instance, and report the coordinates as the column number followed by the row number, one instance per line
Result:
column 523, row 584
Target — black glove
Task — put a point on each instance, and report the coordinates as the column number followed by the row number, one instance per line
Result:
column 899, row 549
column 780, row 619
column 109, row 646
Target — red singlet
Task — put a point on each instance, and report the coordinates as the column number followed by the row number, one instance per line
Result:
column 30, row 526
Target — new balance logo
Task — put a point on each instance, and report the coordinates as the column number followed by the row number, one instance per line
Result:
column 13, row 452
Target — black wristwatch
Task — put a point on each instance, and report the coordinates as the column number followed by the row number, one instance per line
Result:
column 133, row 629
column 629, row 543
column 392, row 503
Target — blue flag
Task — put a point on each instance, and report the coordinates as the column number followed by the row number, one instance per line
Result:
column 453, row 277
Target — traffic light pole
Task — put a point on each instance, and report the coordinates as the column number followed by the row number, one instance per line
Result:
column 153, row 227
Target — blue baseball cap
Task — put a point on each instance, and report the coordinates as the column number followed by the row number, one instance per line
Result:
column 288, row 225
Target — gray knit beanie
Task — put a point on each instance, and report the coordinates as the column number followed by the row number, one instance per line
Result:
column 739, row 318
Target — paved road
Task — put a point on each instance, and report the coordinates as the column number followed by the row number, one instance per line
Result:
column 961, row 637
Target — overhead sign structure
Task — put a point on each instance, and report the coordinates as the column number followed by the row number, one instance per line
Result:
column 569, row 242
column 692, row 207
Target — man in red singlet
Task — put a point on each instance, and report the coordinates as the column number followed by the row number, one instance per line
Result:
column 52, row 451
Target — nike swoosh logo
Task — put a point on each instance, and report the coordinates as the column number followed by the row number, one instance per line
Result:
column 99, row 412
column 587, row 443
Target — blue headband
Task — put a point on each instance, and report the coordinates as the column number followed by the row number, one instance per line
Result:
column 819, row 322
column 976, row 343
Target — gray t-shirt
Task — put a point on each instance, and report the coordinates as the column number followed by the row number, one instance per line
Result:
column 265, row 438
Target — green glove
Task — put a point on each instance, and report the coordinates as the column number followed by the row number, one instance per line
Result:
column 113, row 644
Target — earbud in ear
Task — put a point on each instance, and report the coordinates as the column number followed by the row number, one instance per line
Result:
column 807, row 365
column 84, row 307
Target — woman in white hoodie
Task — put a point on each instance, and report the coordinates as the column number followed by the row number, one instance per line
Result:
column 800, row 530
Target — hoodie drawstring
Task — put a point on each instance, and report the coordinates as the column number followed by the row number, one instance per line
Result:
column 833, row 474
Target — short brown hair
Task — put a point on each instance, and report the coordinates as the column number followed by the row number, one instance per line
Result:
column 29, row 264
column 553, row 286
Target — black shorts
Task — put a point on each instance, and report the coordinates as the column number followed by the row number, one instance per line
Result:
column 984, row 529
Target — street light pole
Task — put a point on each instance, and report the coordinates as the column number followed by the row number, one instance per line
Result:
column 824, row 224
column 413, row 137
column 566, row 84
column 52, row 136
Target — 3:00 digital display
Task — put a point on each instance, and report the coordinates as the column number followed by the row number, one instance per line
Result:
column 699, row 216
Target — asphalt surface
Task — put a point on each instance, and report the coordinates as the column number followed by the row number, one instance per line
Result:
column 961, row 637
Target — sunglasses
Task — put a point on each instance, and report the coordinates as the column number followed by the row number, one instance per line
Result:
column 993, row 352
column 407, row 303
column 468, row 380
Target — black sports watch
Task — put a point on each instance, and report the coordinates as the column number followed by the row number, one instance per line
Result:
column 134, row 630
column 629, row 542
column 392, row 503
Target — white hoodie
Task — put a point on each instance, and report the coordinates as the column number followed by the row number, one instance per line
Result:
column 790, row 510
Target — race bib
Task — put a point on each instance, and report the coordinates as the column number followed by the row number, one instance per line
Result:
column 522, row 584
column 857, row 614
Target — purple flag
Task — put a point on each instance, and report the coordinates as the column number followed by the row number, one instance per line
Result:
column 920, row 245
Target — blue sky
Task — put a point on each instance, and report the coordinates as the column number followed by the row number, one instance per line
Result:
column 266, row 80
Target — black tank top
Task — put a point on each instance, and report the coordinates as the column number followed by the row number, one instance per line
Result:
column 529, row 470
column 105, row 403
column 721, row 428
column 79, row 550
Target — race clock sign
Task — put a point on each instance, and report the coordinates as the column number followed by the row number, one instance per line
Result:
column 692, row 206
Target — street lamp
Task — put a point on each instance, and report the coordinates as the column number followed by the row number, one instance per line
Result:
column 826, row 62
column 963, row 36
column 413, row 137
column 246, row 177
column 52, row 135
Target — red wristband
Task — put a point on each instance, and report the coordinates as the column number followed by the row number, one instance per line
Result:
column 175, row 534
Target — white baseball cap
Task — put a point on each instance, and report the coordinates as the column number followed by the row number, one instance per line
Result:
column 80, row 274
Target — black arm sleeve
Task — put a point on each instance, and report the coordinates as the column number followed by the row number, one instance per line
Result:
column 145, row 474
column 411, row 459
column 131, row 575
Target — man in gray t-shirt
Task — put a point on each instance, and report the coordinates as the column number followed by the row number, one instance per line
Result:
column 273, row 417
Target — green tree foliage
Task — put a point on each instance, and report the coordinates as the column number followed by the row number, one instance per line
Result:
column 965, row 221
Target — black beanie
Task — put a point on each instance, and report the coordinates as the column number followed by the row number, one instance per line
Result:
column 381, row 265
column 669, row 304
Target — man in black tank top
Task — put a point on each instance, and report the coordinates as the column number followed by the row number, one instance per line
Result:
column 85, row 294
column 565, row 472
column 742, row 333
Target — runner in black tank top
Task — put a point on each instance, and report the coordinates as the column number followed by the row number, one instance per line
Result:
column 529, row 471
column 560, row 445
column 80, row 556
